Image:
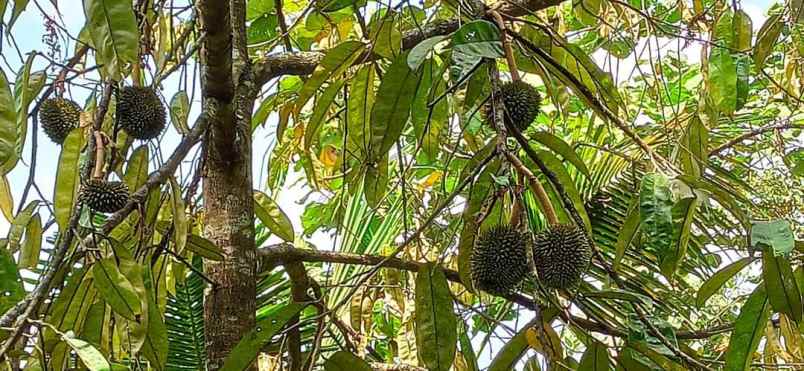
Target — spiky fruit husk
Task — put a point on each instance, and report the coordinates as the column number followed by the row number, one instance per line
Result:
column 58, row 117
column 499, row 260
column 522, row 104
column 140, row 112
column 561, row 254
column 104, row 196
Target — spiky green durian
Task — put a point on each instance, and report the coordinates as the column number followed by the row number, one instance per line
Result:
column 522, row 103
column 499, row 260
column 140, row 112
column 58, row 117
column 104, row 196
column 561, row 254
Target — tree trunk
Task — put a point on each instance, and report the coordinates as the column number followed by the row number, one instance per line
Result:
column 229, row 305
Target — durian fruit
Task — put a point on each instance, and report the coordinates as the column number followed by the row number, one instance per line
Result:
column 58, row 117
column 104, row 196
column 140, row 112
column 522, row 104
column 499, row 261
column 561, row 254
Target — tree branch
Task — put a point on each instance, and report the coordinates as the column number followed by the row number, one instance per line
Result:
column 784, row 124
column 304, row 63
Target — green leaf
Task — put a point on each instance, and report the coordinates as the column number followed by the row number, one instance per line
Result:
column 511, row 352
column 471, row 43
column 137, row 168
column 246, row 350
column 467, row 351
column 557, row 167
column 477, row 195
column 766, row 39
column 11, row 290
column 180, row 111
column 694, row 147
column 376, row 181
column 19, row 7
column 18, row 226
column 345, row 361
column 262, row 29
column 114, row 33
column 430, row 122
column 320, row 111
column 587, row 11
column 392, row 107
column 155, row 347
column 26, row 88
column 334, row 63
column 748, row 330
column 273, row 217
column 420, row 52
column 595, row 358
column 116, row 289
column 335, row 5
column 655, row 211
column 783, row 292
column 359, row 106
column 718, row 279
column 90, row 356
column 743, row 31
column 8, row 126
column 627, row 232
column 560, row 147
column 29, row 256
column 435, row 323
column 683, row 215
column 776, row 234
column 181, row 226
column 386, row 36
column 722, row 80
column 67, row 177
column 204, row 247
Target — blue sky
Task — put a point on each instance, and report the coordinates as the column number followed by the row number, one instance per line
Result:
column 28, row 32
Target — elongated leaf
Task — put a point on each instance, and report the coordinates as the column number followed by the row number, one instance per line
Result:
column 436, row 323
column 386, row 35
column 655, row 211
column 114, row 33
column 560, row 147
column 320, row 111
column 376, row 181
column 137, row 168
column 723, row 80
column 6, row 200
column 18, row 226
column 718, row 279
column 359, row 106
column 557, row 167
column 273, row 217
column 26, row 88
column 467, row 351
column 29, row 256
column 627, row 232
column 683, row 215
column 204, row 248
column 419, row 52
column 19, row 7
column 67, row 177
column 471, row 43
column 766, row 39
column 694, row 148
column 392, row 107
column 511, row 352
column 8, row 126
column 587, row 11
column 116, row 289
column 11, row 290
column 180, row 111
column 780, row 283
column 90, row 356
column 181, row 225
column 748, row 330
column 246, row 350
column 595, row 358
column 345, row 361
column 777, row 234
column 334, row 63
column 155, row 347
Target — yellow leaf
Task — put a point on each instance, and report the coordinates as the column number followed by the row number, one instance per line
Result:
column 432, row 179
column 6, row 201
column 329, row 156
column 554, row 350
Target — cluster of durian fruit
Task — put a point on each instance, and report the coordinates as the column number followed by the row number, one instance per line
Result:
column 140, row 113
column 561, row 254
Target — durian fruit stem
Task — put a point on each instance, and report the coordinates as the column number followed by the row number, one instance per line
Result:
column 506, row 43
column 516, row 211
column 541, row 195
column 100, row 155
